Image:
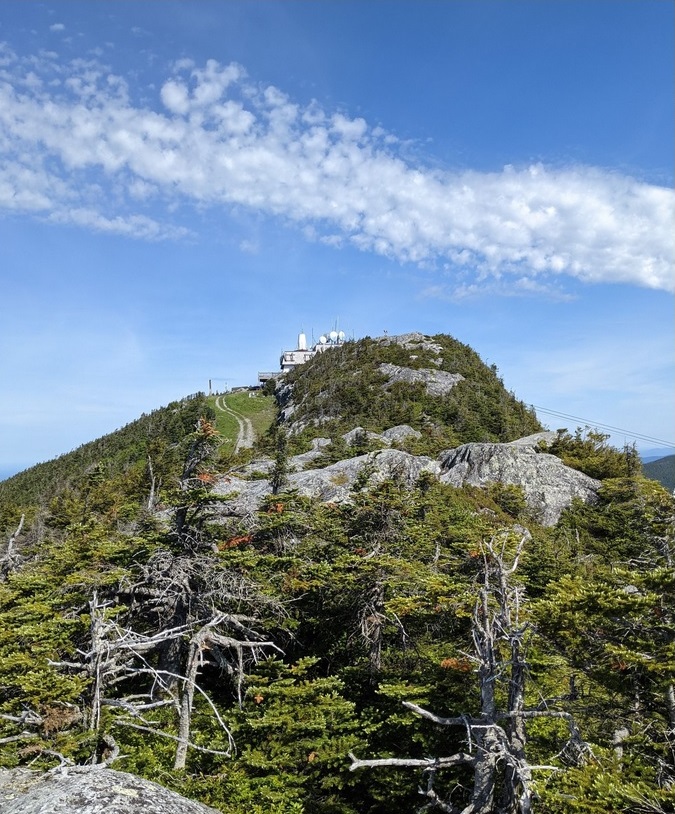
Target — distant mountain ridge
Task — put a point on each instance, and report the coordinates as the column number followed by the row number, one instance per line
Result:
column 650, row 455
column 662, row 470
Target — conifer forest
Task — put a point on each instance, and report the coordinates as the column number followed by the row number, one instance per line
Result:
column 385, row 641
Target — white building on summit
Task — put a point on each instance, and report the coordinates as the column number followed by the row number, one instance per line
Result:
column 290, row 359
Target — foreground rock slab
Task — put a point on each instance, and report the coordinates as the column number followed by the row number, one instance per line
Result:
column 89, row 790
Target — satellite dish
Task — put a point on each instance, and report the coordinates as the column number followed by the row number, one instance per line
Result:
column 322, row 340
column 333, row 335
column 341, row 336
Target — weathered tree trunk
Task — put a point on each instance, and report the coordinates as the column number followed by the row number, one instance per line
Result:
column 187, row 700
column 497, row 739
column 171, row 660
column 372, row 625
column 9, row 560
column 13, row 537
column 97, row 657
column 153, row 486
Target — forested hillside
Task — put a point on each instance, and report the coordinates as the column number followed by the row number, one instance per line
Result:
column 662, row 470
column 403, row 645
column 112, row 454
column 349, row 387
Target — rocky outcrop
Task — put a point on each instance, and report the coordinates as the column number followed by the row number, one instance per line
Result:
column 332, row 483
column 88, row 790
column 548, row 485
column 412, row 341
column 335, row 482
column 539, row 440
column 436, row 382
column 396, row 435
column 244, row 497
column 302, row 461
column 354, row 436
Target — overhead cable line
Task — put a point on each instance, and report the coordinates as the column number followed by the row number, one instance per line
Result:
column 589, row 422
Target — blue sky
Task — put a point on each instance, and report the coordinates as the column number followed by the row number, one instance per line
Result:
column 185, row 186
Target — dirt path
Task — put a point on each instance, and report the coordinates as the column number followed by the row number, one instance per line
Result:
column 246, row 436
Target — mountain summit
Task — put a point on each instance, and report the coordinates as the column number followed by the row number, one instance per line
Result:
column 437, row 385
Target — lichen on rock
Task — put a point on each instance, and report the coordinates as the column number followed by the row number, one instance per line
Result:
column 89, row 790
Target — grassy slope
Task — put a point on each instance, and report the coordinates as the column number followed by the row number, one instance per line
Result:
column 254, row 405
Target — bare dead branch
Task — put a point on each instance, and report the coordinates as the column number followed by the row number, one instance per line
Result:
column 413, row 763
column 21, row 737
column 161, row 734
column 27, row 718
column 459, row 720
column 13, row 537
column 496, row 738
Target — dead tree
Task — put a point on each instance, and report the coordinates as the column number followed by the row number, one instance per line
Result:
column 181, row 614
column 120, row 656
column 496, row 737
column 371, row 622
column 154, row 485
column 10, row 560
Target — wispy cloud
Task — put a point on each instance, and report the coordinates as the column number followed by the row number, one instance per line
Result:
column 630, row 367
column 76, row 148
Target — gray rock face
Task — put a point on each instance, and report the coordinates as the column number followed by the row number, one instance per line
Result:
column 353, row 436
column 89, row 790
column 412, row 341
column 331, row 484
column 300, row 462
column 244, row 496
column 437, row 382
column 386, row 438
column 284, row 396
column 547, row 438
column 400, row 433
column 549, row 486
column 334, row 483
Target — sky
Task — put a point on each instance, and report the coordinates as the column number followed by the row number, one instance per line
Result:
column 185, row 186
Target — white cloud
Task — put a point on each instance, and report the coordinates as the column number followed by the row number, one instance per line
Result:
column 131, row 226
column 249, row 247
column 57, row 27
column 175, row 97
column 220, row 140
